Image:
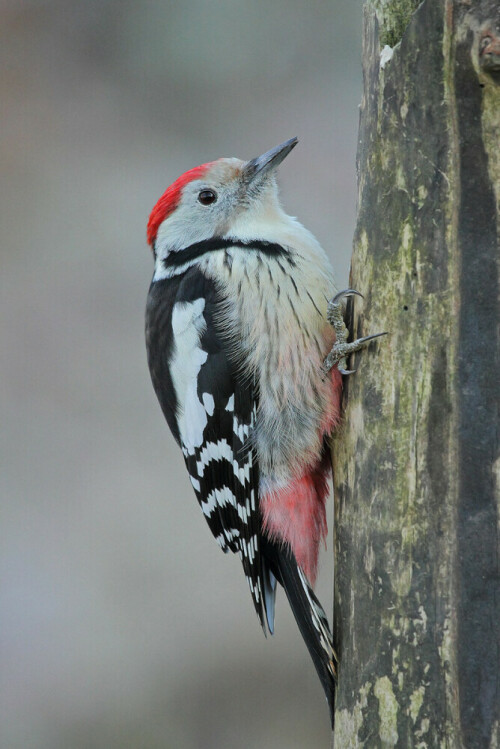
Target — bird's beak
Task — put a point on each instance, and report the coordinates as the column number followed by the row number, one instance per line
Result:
column 261, row 165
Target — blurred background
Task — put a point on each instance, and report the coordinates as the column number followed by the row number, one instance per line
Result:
column 122, row 623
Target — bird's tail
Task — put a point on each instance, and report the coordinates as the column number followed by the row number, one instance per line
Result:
column 308, row 613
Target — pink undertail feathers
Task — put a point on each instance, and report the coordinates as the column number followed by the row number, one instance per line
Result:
column 295, row 514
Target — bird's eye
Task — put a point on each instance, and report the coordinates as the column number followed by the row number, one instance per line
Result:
column 207, row 196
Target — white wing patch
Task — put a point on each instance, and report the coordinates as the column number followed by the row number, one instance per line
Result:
column 188, row 325
column 222, row 469
column 217, row 498
column 195, row 483
column 213, row 451
column 222, row 450
column 209, row 403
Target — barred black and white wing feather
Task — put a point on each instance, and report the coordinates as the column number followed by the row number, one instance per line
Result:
column 211, row 411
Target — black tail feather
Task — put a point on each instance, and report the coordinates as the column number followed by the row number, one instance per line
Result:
column 308, row 613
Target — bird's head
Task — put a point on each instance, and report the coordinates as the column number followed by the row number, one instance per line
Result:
column 227, row 197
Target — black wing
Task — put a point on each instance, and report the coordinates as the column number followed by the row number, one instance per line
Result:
column 212, row 419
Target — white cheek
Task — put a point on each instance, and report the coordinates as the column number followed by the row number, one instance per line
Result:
column 188, row 324
column 189, row 224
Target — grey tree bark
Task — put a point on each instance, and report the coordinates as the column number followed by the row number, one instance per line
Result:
column 417, row 462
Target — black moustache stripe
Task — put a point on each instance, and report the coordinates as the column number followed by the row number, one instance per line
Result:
column 175, row 258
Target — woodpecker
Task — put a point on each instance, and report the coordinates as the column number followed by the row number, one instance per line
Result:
column 237, row 331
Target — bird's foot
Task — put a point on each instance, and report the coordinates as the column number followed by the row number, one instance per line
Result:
column 341, row 349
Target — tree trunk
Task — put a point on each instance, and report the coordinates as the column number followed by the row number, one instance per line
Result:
column 416, row 464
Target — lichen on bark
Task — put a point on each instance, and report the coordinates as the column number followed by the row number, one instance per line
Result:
column 417, row 507
column 393, row 17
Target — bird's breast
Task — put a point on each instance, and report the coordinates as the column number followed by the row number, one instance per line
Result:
column 275, row 310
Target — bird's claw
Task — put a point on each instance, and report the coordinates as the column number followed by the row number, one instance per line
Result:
column 341, row 349
column 345, row 292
